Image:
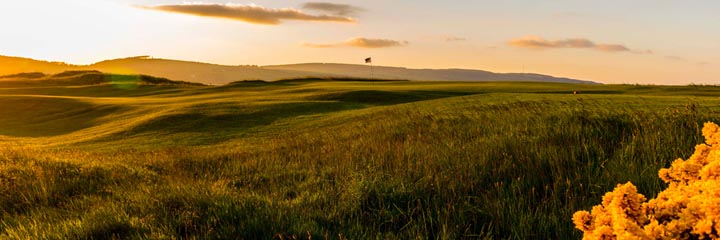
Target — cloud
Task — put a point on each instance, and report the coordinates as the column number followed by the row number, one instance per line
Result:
column 536, row 42
column 445, row 38
column 375, row 43
column 675, row 58
column 333, row 8
column 455, row 39
column 682, row 59
column 612, row 48
column 247, row 13
column 361, row 43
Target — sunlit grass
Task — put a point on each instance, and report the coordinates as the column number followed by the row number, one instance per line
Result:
column 334, row 158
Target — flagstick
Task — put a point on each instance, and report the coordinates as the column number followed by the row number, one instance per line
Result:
column 372, row 71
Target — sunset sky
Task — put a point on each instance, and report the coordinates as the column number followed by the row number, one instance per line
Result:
column 610, row 41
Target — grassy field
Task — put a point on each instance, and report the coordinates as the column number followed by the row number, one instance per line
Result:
column 94, row 156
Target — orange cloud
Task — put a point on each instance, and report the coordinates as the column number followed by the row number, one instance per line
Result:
column 536, row 42
column 361, row 43
column 334, row 8
column 612, row 48
column 247, row 13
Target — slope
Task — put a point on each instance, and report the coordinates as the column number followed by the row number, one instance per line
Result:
column 206, row 73
column 380, row 72
column 320, row 158
column 14, row 65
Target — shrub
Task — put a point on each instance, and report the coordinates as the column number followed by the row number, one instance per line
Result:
column 689, row 208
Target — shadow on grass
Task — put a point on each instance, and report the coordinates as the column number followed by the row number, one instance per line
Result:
column 231, row 118
column 583, row 92
column 223, row 120
column 304, row 80
column 298, row 81
column 376, row 97
column 44, row 117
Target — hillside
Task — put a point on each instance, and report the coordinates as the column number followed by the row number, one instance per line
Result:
column 313, row 158
column 206, row 73
column 214, row 74
column 16, row 65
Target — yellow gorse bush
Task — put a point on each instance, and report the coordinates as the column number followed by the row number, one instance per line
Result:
column 688, row 209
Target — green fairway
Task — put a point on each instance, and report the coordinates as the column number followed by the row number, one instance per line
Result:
column 87, row 155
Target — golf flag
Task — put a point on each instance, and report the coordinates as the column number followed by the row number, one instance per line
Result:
column 368, row 60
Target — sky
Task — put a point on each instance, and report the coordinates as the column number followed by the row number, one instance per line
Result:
column 609, row 41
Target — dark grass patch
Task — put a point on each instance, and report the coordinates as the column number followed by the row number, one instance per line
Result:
column 39, row 116
column 252, row 84
column 582, row 92
column 74, row 73
column 377, row 97
column 232, row 118
column 30, row 75
column 82, row 78
column 55, row 184
column 306, row 80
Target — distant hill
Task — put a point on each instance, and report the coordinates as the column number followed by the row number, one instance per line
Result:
column 222, row 74
column 16, row 65
column 195, row 71
column 364, row 71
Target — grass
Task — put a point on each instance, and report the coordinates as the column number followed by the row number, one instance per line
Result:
column 331, row 159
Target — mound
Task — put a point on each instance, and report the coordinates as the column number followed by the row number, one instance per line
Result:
column 83, row 78
column 74, row 74
column 30, row 75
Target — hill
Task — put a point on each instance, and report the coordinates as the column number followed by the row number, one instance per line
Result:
column 214, row 74
column 380, row 72
column 16, row 65
column 206, row 73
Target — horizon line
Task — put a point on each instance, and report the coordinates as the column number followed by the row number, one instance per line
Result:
column 150, row 57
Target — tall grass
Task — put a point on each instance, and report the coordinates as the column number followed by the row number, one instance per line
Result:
column 497, row 166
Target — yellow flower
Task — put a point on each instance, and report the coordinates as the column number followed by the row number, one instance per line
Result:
column 583, row 220
column 710, row 132
column 689, row 208
column 703, row 227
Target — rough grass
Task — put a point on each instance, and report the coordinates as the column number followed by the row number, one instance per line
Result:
column 332, row 159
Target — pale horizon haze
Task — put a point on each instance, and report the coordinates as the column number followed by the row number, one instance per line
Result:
column 613, row 41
